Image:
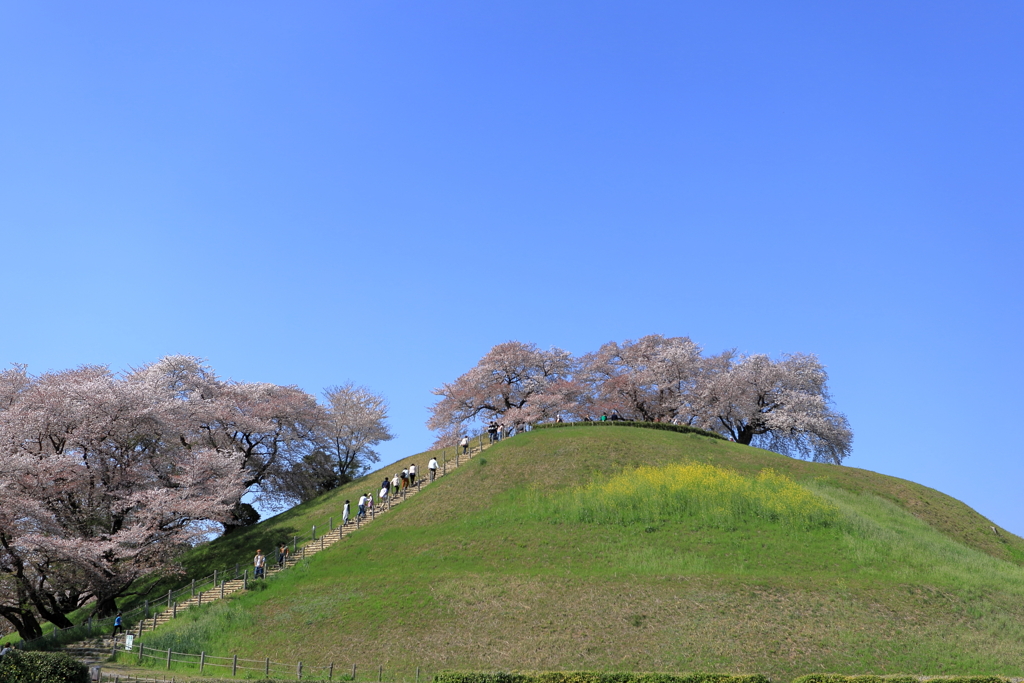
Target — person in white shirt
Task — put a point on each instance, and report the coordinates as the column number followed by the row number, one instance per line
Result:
column 395, row 484
column 383, row 498
column 259, row 565
column 362, row 506
column 432, row 468
column 465, row 444
column 345, row 512
column 412, row 474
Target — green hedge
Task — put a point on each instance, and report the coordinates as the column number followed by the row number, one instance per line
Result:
column 42, row 667
column 667, row 426
column 592, row 677
column 838, row 678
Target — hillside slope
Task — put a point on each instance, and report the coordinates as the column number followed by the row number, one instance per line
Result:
column 476, row 573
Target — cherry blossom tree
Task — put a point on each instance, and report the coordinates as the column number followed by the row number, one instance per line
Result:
column 783, row 405
column 513, row 382
column 101, row 484
column 270, row 428
column 644, row 379
column 353, row 423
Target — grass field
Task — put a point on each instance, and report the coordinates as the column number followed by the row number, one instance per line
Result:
column 500, row 566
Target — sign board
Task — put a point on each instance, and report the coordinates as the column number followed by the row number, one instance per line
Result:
column 129, row 640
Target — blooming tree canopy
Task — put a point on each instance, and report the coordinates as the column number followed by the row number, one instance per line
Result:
column 783, row 405
column 642, row 380
column 269, row 427
column 352, row 424
column 513, row 381
column 99, row 487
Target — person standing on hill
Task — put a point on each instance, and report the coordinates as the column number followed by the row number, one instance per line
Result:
column 362, row 507
column 412, row 474
column 118, row 625
column 259, row 565
column 492, row 432
column 432, row 468
column 383, row 498
column 405, row 479
column 386, row 485
column 395, row 483
column 345, row 512
column 465, row 444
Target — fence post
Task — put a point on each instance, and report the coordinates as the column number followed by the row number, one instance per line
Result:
column 417, row 674
column 321, row 543
column 353, row 672
column 113, row 648
column 294, row 541
column 154, row 622
column 202, row 660
column 140, row 628
column 234, row 666
column 314, row 532
column 332, row 523
column 168, row 659
column 200, row 598
column 168, row 598
column 141, row 648
column 267, row 667
column 174, row 610
column 380, row 673
column 222, row 589
column 193, row 588
column 145, row 610
column 214, row 578
column 298, row 672
column 245, row 579
column 330, row 672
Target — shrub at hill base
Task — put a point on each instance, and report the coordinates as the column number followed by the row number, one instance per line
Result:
column 41, row 667
column 593, row 677
column 837, row 678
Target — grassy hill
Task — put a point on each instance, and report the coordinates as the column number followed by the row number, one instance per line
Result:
column 496, row 567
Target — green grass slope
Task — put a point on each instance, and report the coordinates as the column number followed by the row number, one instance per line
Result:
column 476, row 573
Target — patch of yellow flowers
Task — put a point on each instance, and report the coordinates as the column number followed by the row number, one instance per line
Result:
column 712, row 495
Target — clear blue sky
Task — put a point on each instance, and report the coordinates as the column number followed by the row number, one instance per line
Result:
column 314, row 192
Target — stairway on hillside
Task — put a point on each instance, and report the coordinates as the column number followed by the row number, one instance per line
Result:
column 97, row 649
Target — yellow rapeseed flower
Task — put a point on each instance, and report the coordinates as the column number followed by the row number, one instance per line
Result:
column 714, row 495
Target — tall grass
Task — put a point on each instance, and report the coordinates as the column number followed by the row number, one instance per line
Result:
column 713, row 496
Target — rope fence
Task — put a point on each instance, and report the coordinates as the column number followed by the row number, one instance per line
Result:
column 239, row 667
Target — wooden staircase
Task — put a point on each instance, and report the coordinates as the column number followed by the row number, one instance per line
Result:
column 226, row 588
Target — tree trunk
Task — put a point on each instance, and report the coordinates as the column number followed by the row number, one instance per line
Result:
column 106, row 606
column 24, row 621
column 745, row 435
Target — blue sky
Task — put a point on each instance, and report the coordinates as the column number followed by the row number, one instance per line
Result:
column 315, row 192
